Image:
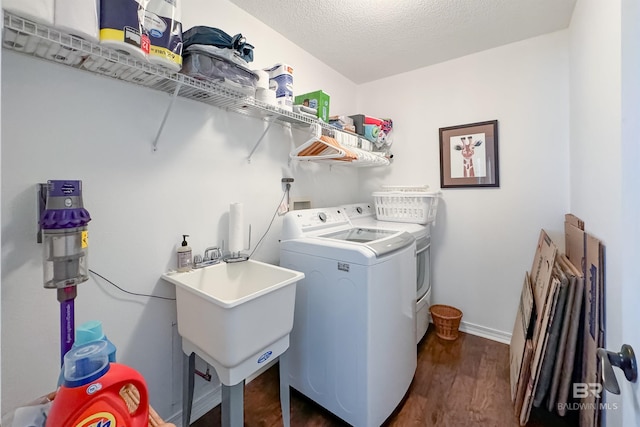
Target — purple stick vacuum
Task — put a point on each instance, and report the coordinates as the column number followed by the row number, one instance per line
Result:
column 64, row 228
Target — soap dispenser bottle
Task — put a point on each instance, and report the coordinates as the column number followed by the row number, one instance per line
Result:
column 184, row 255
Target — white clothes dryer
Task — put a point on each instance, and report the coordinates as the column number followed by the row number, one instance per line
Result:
column 352, row 347
column 363, row 215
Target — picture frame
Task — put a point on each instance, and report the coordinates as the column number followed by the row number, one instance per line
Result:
column 469, row 155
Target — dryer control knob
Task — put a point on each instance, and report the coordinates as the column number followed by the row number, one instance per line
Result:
column 322, row 216
column 359, row 209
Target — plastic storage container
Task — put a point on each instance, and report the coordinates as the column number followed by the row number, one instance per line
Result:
column 405, row 188
column 419, row 207
column 208, row 66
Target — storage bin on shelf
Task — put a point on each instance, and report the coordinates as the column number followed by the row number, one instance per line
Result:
column 201, row 63
column 447, row 321
column 405, row 204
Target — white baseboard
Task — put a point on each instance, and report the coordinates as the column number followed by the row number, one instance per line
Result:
column 484, row 332
column 201, row 406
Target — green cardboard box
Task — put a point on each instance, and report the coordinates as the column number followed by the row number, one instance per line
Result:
column 318, row 100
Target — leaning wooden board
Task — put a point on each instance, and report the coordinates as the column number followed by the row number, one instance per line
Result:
column 540, row 339
column 519, row 337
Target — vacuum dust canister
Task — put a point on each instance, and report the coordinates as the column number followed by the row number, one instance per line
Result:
column 64, row 226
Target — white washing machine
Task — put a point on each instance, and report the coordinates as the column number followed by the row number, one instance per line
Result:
column 363, row 215
column 352, row 347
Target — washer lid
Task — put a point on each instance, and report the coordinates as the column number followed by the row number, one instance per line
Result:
column 363, row 215
column 361, row 235
column 379, row 241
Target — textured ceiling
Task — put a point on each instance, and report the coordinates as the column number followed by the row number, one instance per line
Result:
column 366, row 40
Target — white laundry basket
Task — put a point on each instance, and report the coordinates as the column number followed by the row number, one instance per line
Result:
column 404, row 204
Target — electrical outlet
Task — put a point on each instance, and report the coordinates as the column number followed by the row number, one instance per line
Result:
column 284, row 206
column 286, row 183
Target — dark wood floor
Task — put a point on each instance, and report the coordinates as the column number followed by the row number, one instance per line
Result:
column 459, row 383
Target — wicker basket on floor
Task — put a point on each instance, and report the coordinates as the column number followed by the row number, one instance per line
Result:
column 447, row 320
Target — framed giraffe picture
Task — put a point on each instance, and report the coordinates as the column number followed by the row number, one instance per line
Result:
column 469, row 155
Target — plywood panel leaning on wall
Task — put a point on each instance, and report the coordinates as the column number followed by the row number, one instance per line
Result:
column 593, row 329
column 563, row 301
column 567, row 355
column 541, row 270
column 540, row 344
column 586, row 255
column 545, row 291
column 555, row 330
column 521, row 336
column 521, row 347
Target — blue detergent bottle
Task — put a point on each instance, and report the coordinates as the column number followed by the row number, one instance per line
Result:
column 89, row 332
column 92, row 331
column 90, row 394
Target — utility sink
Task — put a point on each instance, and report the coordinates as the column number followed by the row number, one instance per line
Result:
column 235, row 316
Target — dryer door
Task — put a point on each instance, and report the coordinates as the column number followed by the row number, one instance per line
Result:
column 423, row 265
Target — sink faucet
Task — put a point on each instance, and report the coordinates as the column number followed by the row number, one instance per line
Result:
column 239, row 256
column 215, row 251
column 212, row 255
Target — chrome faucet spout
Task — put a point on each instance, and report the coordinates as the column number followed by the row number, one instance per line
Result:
column 212, row 255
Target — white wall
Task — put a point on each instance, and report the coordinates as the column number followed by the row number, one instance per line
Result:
column 60, row 123
column 1, row 228
column 630, row 151
column 604, row 174
column 485, row 238
column 595, row 124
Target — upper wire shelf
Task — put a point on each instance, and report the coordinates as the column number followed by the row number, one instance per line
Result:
column 48, row 43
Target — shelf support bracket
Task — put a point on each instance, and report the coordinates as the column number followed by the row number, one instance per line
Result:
column 166, row 115
column 255, row 147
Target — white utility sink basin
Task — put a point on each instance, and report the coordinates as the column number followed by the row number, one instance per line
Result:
column 235, row 316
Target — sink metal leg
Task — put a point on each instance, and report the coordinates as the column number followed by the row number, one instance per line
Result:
column 232, row 409
column 189, row 370
column 285, row 395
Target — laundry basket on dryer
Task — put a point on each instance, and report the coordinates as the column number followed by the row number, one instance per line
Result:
column 413, row 204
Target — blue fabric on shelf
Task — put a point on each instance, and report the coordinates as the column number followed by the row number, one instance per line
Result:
column 218, row 38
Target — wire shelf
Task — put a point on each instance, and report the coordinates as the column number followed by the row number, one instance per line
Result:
column 48, row 43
